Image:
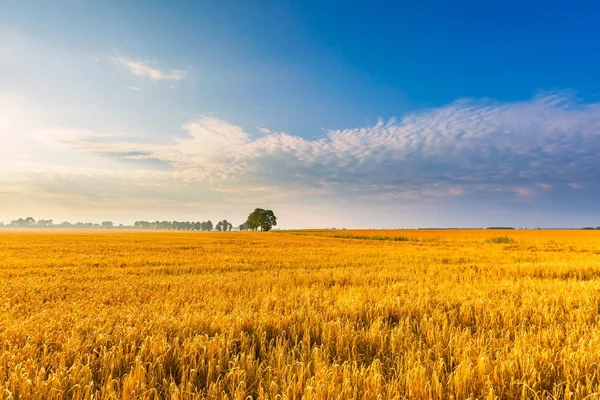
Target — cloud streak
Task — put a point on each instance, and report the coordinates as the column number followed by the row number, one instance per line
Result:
column 147, row 70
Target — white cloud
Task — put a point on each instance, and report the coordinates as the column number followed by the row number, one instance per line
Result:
column 146, row 69
column 467, row 147
column 135, row 88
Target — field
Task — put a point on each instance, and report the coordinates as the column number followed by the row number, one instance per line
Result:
column 290, row 315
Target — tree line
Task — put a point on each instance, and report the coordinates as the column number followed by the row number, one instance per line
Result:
column 260, row 218
column 30, row 222
column 183, row 225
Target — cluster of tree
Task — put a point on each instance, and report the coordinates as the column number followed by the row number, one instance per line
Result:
column 23, row 222
column 259, row 218
column 223, row 226
column 30, row 222
column 174, row 225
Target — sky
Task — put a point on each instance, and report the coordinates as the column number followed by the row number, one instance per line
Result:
column 360, row 114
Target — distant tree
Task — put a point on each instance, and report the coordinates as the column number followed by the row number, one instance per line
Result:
column 243, row 227
column 265, row 219
column 146, row 225
column 224, row 226
column 107, row 224
column 45, row 222
column 65, row 224
column 23, row 222
column 164, row 225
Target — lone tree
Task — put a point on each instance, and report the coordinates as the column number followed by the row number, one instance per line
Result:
column 263, row 219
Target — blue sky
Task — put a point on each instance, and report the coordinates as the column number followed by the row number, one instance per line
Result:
column 355, row 114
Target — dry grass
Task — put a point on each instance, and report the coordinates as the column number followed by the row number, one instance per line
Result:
column 436, row 315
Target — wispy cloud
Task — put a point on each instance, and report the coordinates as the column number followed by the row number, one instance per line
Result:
column 146, row 69
column 135, row 88
column 466, row 148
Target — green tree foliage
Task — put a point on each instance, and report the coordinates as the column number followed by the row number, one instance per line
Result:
column 263, row 219
column 251, row 225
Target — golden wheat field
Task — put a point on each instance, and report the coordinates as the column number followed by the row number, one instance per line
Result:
column 300, row 314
